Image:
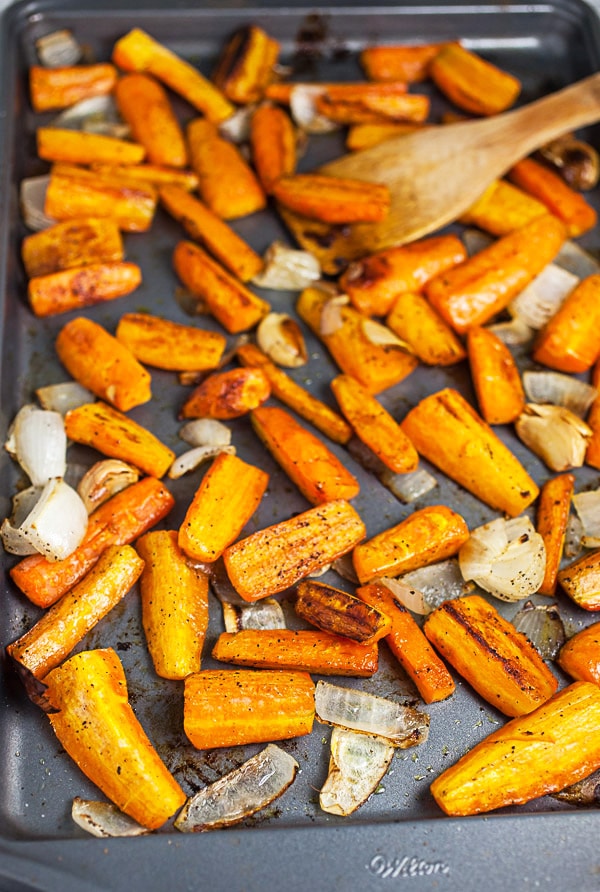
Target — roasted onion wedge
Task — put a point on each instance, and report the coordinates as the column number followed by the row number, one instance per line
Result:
column 356, row 766
column 104, row 819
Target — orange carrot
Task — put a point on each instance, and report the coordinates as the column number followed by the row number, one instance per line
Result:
column 51, row 89
column 82, row 147
column 568, row 342
column 416, row 322
column 471, row 82
column 552, row 518
column 226, row 395
column 332, row 199
column 502, row 208
column 81, row 193
column 333, row 610
column 408, row 63
column 81, row 286
column 581, row 580
column 592, row 455
column 245, row 66
column 170, row 345
column 560, row 199
column 580, row 656
column 495, row 375
column 145, row 106
column 273, row 144
column 74, row 243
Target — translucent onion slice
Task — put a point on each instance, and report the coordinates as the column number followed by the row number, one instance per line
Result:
column 577, row 260
column 103, row 819
column 555, row 434
column 14, row 540
column 475, row 240
column 105, row 479
column 38, row 441
column 437, row 582
column 344, row 567
column 265, row 614
column 281, row 338
column 558, row 389
column 64, row 396
column 236, row 128
column 406, row 594
column 540, row 300
column 304, row 112
column 32, row 198
column 406, row 487
column 58, row 48
column 585, row 792
column 241, row 793
column 587, row 505
column 99, row 114
column 205, row 432
column 573, row 537
column 193, row 458
column 287, row 269
column 382, row 336
column 515, row 333
column 351, row 708
column 58, row 521
column 543, row 626
column 356, row 766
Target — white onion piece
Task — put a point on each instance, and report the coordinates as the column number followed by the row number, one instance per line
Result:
column 281, row 338
column 540, row 300
column 356, row 766
column 38, row 441
column 515, row 333
column 98, row 114
column 59, row 48
column 104, row 819
column 587, row 505
column 382, row 336
column 408, row 487
column 406, row 594
column 105, row 479
column 32, row 198
column 475, row 240
column 265, row 614
column 205, row 432
column 64, row 396
column 304, row 112
column 506, row 558
column 14, row 540
column 344, row 567
column 577, row 260
column 287, row 269
column 437, row 582
column 558, row 389
column 331, row 318
column 543, row 626
column 193, row 458
column 58, row 521
column 555, row 434
column 236, row 128
column 573, row 537
column 241, row 793
column 357, row 710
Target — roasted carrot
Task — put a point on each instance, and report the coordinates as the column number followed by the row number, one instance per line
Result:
column 499, row 662
column 448, row 432
column 81, row 147
column 273, row 144
column 374, row 425
column 226, row 395
column 471, row 82
column 170, row 345
column 97, row 727
column 408, row 63
column 74, row 243
column 116, row 435
column 332, row 199
column 51, row 89
column 410, row 646
column 502, row 208
column 245, row 66
column 426, row 536
column 495, row 377
column 580, row 656
column 227, row 183
column 568, row 342
column 81, row 193
column 480, row 287
column 153, row 175
column 431, row 339
column 592, row 454
column 233, row 707
column 333, row 610
column 118, row 521
column 146, row 107
column 228, row 495
column 64, row 625
column 81, row 286
column 204, row 226
column 138, row 51
column 356, row 348
column 174, row 596
column 374, row 283
column 581, row 580
column 309, row 463
column 373, row 103
column 305, row 650
column 552, row 518
column 277, row 557
column 230, row 302
column 364, row 136
column 551, row 190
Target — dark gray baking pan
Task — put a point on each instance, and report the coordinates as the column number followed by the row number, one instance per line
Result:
column 399, row 839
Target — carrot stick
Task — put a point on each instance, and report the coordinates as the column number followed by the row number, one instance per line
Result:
column 332, row 199
column 495, row 375
column 333, row 610
column 81, row 193
column 592, row 454
column 245, row 66
column 552, row 518
column 408, row 63
column 74, row 243
column 227, row 395
column 51, row 89
column 471, row 82
column 560, row 199
column 364, row 136
column 273, row 145
column 568, row 342
column 145, row 106
column 81, row 286
column 502, row 208
column 579, row 656
column 170, row 345
column 82, row 147
column 371, row 103
column 415, row 321
column 153, row 175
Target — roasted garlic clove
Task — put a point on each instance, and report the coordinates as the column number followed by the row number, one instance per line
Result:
column 280, row 337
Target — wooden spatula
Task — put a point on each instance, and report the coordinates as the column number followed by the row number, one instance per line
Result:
column 437, row 173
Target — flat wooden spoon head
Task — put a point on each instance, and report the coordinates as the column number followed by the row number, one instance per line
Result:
column 435, row 174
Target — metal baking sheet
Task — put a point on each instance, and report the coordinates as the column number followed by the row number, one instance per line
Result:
column 399, row 837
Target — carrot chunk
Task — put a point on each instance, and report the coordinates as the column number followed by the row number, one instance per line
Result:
column 51, row 89
column 81, row 286
column 145, row 106
column 495, row 375
column 170, row 345
column 552, row 518
column 552, row 191
column 568, row 342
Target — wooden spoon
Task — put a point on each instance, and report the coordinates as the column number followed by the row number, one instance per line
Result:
column 437, row 173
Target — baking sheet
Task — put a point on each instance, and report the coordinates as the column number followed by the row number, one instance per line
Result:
column 400, row 834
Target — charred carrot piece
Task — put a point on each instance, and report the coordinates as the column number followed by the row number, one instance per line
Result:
column 357, row 350
column 592, row 454
column 88, row 194
column 374, row 425
column 448, row 432
column 246, row 65
column 410, row 646
column 204, row 226
column 429, row 535
column 364, row 136
column 81, row 242
column 309, row 463
column 581, row 580
column 228, row 495
column 480, row 287
column 103, row 364
column 277, row 557
column 333, row 199
column 552, row 518
column 226, row 395
column 293, row 395
column 305, row 650
column 227, row 183
column 273, row 144
column 64, row 625
column 502, row 208
column 118, row 521
column 153, row 175
column 579, row 656
column 97, row 727
column 170, row 345
column 82, row 286
column 554, row 746
column 144, row 104
column 568, row 342
column 371, row 103
column 495, row 376
column 499, row 662
column 415, row 321
column 471, row 82
column 174, row 597
column 333, row 610
column 374, row 283
column 138, row 51
column 399, row 62
column 233, row 707
column 81, row 147
column 230, row 302
column 51, row 89
column 116, row 435
column 551, row 190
